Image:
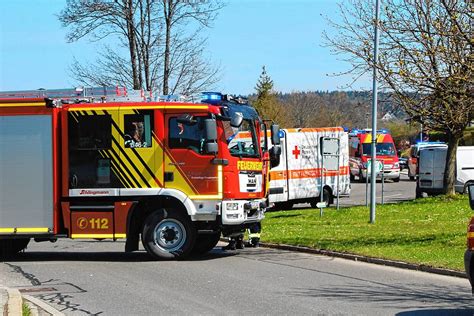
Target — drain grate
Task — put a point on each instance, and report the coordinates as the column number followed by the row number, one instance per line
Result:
column 37, row 289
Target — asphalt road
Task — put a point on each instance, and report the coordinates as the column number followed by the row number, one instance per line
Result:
column 392, row 191
column 97, row 278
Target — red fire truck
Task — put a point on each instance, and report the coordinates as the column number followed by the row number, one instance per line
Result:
column 104, row 163
column 360, row 154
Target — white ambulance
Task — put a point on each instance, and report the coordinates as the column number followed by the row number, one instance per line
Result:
column 297, row 178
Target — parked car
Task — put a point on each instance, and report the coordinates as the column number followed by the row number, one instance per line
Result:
column 468, row 255
column 415, row 154
column 403, row 161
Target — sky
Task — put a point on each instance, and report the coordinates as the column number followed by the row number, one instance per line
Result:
column 283, row 35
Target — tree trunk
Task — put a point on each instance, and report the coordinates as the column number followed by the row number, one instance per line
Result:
column 450, row 168
column 168, row 8
column 132, row 43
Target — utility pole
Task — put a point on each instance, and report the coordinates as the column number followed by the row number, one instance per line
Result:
column 373, row 176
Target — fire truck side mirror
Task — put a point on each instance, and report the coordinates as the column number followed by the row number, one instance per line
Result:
column 210, row 129
column 210, row 132
column 470, row 189
column 236, row 119
column 275, row 153
column 275, row 130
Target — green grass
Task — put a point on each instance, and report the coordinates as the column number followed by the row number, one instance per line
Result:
column 26, row 310
column 430, row 231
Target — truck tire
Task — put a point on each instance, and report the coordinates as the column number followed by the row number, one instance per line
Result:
column 205, row 243
column 10, row 247
column 168, row 234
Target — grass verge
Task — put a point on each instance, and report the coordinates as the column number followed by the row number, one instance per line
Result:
column 430, row 231
column 26, row 311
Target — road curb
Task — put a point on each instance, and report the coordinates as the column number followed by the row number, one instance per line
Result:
column 42, row 306
column 14, row 303
column 354, row 257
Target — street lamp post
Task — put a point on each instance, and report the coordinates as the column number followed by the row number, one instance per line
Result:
column 373, row 176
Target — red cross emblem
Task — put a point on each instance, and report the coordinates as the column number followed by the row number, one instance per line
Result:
column 296, row 152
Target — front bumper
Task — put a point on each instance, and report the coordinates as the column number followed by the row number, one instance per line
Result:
column 469, row 266
column 237, row 212
column 387, row 174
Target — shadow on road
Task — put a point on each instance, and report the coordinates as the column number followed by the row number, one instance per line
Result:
column 438, row 312
column 406, row 296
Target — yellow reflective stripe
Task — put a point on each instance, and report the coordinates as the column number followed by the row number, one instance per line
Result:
column 77, row 236
column 22, row 104
column 25, row 230
column 33, row 230
column 220, row 186
column 142, row 107
column 470, row 235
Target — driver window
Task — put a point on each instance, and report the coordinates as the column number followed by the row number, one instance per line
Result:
column 187, row 136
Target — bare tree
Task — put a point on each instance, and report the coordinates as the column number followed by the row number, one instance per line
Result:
column 152, row 34
column 426, row 59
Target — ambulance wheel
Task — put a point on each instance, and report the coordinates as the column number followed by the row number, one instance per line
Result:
column 205, row 243
column 361, row 177
column 326, row 198
column 9, row 247
column 168, row 234
column 396, row 179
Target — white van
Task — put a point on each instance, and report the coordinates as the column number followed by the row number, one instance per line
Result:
column 464, row 168
column 431, row 170
column 432, row 162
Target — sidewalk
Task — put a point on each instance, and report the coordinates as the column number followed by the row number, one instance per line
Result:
column 11, row 304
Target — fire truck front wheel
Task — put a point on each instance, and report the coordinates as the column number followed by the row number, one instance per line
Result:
column 205, row 243
column 10, row 247
column 168, row 234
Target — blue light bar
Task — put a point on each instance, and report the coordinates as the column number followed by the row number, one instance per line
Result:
column 211, row 97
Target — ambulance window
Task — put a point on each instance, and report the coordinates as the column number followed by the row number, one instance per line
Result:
column 189, row 136
column 137, row 130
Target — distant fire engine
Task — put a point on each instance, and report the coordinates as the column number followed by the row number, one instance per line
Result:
column 360, row 142
column 104, row 163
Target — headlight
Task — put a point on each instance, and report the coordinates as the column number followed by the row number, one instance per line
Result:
column 396, row 165
column 232, row 206
column 364, row 165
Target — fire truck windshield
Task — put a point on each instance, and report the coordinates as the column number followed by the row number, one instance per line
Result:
column 242, row 141
column 383, row 149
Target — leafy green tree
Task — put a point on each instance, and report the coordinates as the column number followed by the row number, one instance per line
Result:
column 426, row 60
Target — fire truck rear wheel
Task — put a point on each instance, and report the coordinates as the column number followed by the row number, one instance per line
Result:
column 10, row 247
column 205, row 243
column 168, row 234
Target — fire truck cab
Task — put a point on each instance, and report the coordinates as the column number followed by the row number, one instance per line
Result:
column 104, row 163
column 360, row 153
